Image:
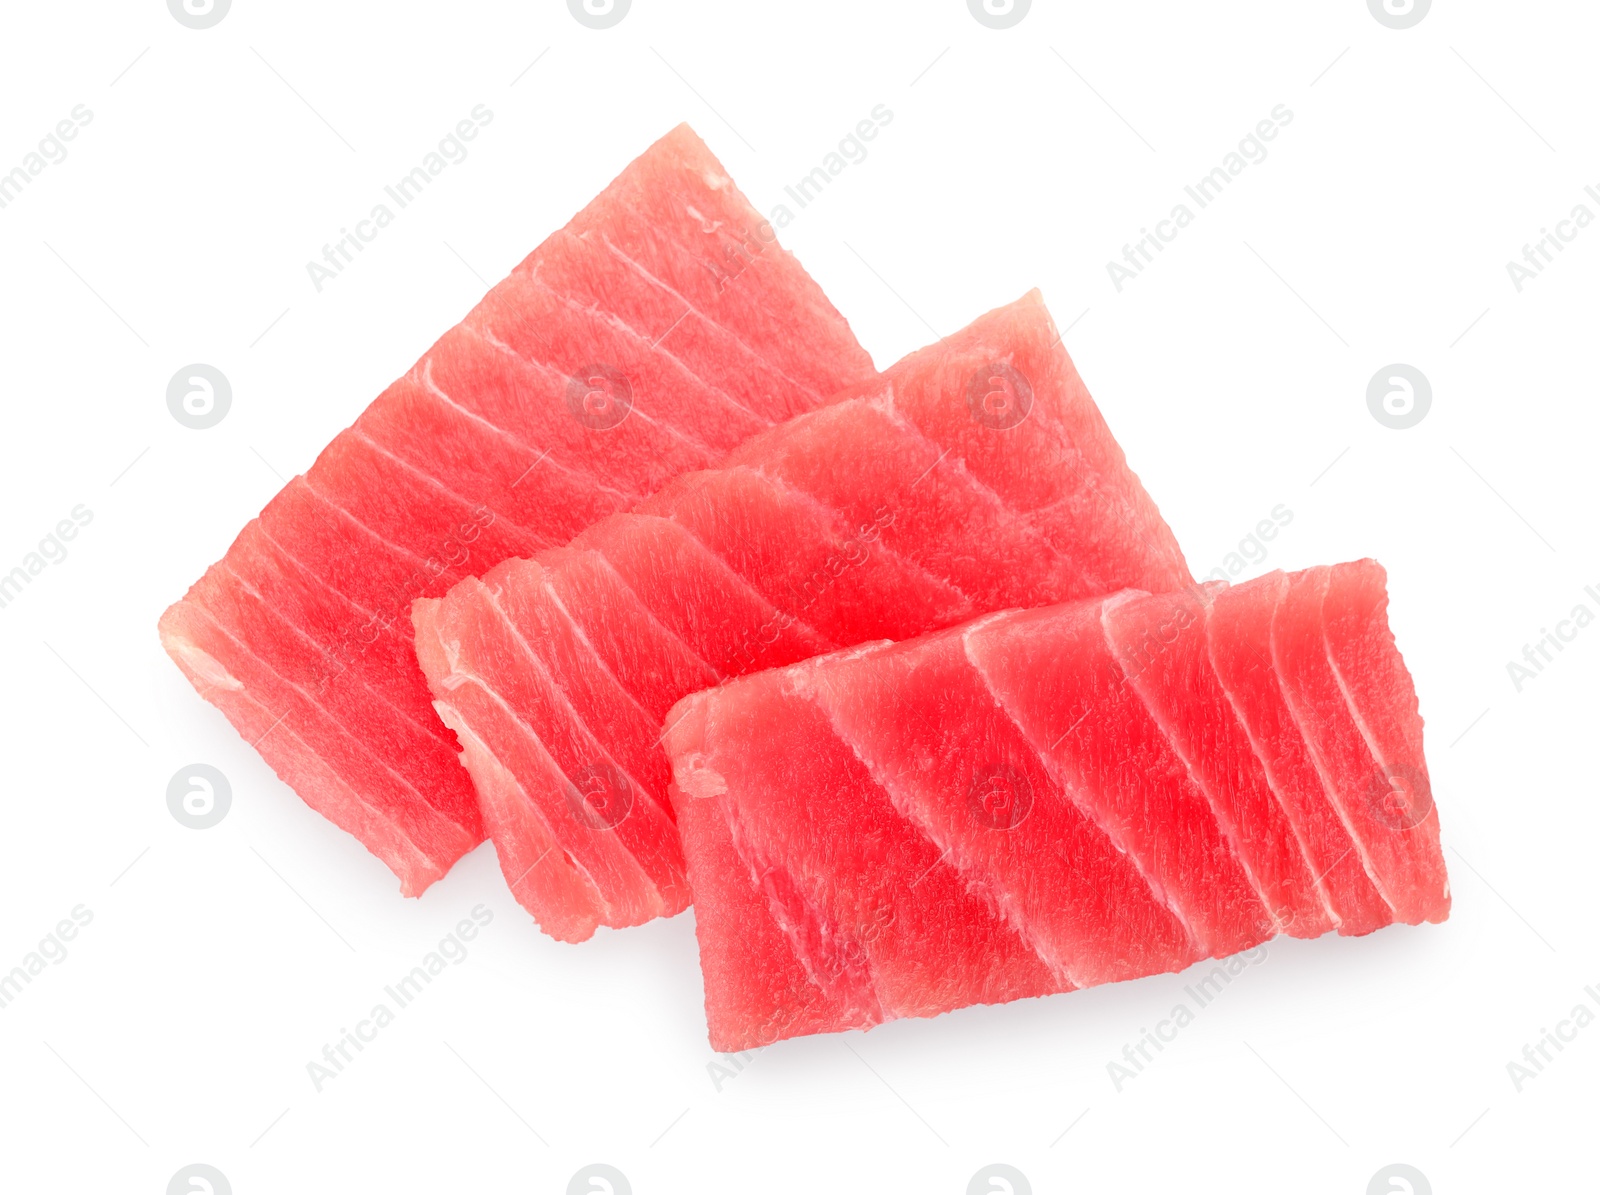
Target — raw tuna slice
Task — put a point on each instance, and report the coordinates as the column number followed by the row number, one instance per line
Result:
column 974, row 475
column 1040, row 800
column 656, row 331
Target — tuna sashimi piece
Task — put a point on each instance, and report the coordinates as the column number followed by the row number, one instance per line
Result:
column 976, row 474
column 655, row 332
column 890, row 830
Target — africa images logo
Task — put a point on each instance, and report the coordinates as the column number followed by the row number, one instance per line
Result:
column 998, row 1178
column 598, row 14
column 1399, row 14
column 1399, row 1179
column 199, row 1179
column 1399, row 396
column 999, row 14
column 1000, row 798
column 999, row 396
column 1400, row 798
column 199, row 796
column 599, row 396
column 597, row 1178
column 199, row 14
column 199, row 396
column 600, row 796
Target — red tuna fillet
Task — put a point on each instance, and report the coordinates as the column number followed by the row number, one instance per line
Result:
column 976, row 474
column 655, row 332
column 1023, row 804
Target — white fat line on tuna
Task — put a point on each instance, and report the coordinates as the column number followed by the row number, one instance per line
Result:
column 550, row 768
column 975, row 876
column 601, row 753
column 1151, row 648
column 1229, row 831
column 1323, row 891
column 348, row 1046
column 396, row 597
column 1113, row 835
column 1334, row 795
column 1386, row 766
column 1345, row 854
column 1152, row 652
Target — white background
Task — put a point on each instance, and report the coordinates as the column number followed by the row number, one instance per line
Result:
column 1234, row 371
